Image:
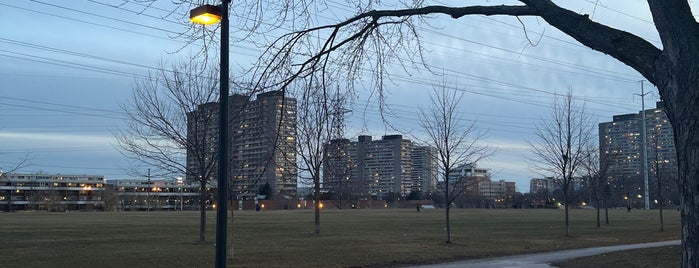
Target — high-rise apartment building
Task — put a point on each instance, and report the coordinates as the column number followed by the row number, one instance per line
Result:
column 378, row 167
column 263, row 147
column 202, row 143
column 425, row 169
column 340, row 175
column 621, row 151
column 262, row 143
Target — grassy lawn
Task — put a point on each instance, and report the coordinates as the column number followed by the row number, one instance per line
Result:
column 285, row 239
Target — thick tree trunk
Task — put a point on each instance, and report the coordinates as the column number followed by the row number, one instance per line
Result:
column 687, row 144
column 680, row 91
column 689, row 188
column 676, row 75
column 679, row 86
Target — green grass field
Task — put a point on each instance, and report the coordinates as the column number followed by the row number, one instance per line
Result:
column 285, row 239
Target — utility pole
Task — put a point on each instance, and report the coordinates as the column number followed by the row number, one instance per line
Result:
column 644, row 150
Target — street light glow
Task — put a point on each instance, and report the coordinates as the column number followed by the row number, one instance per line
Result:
column 206, row 15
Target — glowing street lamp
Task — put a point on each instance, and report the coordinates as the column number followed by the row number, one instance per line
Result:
column 209, row 14
column 206, row 15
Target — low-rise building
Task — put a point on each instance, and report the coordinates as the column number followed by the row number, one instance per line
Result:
column 169, row 194
column 476, row 181
column 51, row 192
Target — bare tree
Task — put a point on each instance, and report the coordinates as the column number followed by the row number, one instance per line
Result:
column 605, row 190
column 669, row 67
column 562, row 146
column 169, row 121
column 379, row 37
column 591, row 168
column 660, row 192
column 665, row 177
column 313, row 132
column 596, row 170
column 455, row 141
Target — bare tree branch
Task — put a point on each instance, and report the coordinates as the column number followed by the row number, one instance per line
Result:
column 168, row 124
column 456, row 143
column 562, row 146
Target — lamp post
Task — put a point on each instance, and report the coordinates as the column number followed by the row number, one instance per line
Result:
column 209, row 14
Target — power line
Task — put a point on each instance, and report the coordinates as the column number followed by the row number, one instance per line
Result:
column 597, row 3
column 73, row 53
column 63, row 111
column 599, row 72
column 86, row 22
column 460, row 73
column 106, row 17
column 596, row 71
column 68, row 64
column 90, row 56
column 60, row 105
column 58, row 150
column 109, row 71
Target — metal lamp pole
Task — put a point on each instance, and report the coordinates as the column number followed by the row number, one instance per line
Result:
column 221, row 207
column 208, row 14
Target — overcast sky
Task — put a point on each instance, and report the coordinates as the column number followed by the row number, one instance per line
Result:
column 66, row 66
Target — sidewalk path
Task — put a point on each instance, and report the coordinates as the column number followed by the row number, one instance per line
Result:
column 542, row 260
